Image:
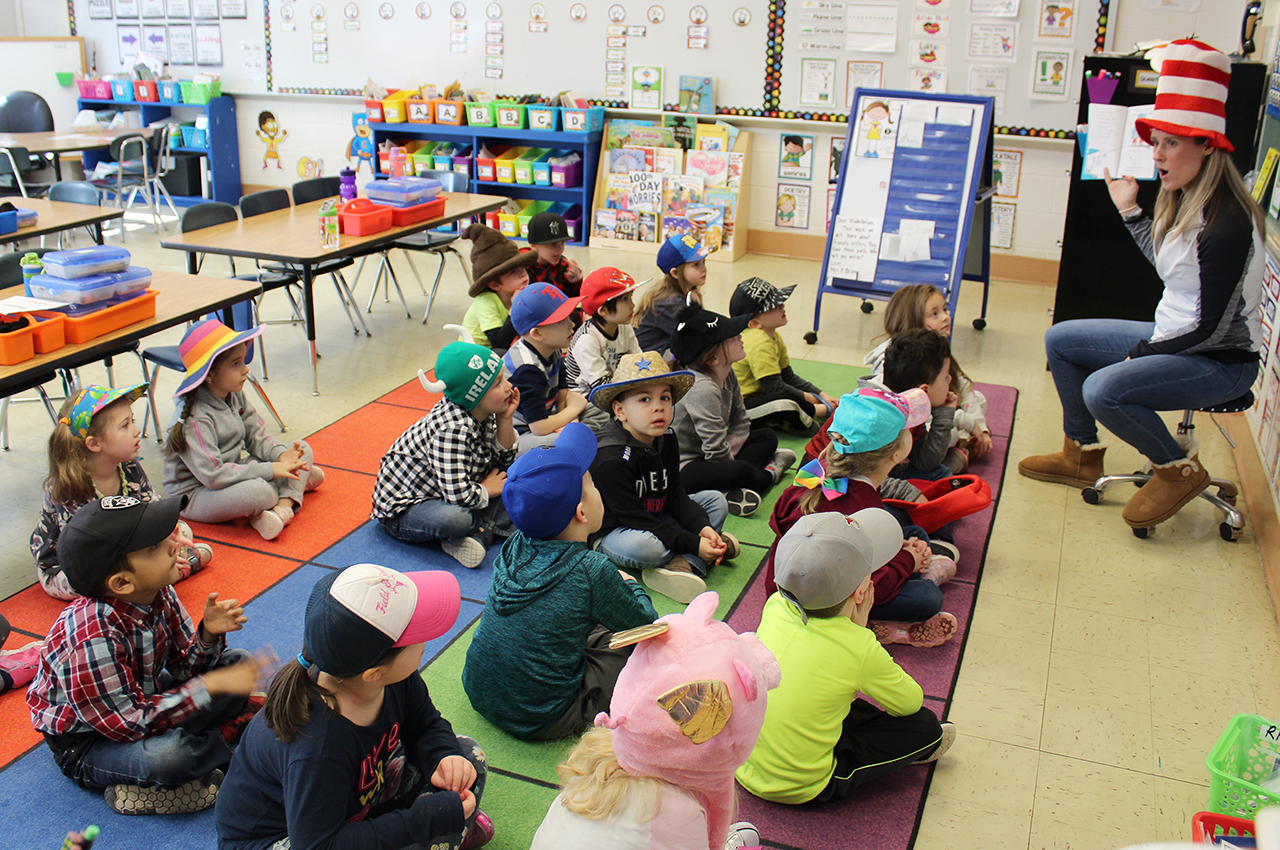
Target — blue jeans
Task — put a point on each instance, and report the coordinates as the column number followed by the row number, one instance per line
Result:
column 436, row 519
column 919, row 599
column 175, row 756
column 1097, row 384
column 635, row 549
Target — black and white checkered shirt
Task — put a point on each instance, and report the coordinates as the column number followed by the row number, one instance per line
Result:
column 444, row 455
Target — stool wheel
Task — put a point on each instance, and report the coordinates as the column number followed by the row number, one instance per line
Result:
column 867, row 306
column 811, row 337
column 1141, row 533
column 1229, row 498
column 1229, row 532
column 1091, row 496
column 979, row 324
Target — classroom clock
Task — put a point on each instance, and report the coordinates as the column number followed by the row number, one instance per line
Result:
column 423, row 10
column 458, row 10
column 617, row 14
column 538, row 12
column 742, row 16
column 656, row 14
column 286, row 12
column 493, row 11
column 577, row 12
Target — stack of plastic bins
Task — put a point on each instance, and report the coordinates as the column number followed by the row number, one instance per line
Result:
column 542, row 168
column 486, row 167
column 524, row 164
column 504, row 167
column 526, row 214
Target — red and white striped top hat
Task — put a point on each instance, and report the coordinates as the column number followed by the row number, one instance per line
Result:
column 1191, row 94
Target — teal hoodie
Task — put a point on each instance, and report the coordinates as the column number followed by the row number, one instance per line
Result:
column 526, row 659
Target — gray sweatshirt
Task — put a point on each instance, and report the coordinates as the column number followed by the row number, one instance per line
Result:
column 711, row 421
column 227, row 442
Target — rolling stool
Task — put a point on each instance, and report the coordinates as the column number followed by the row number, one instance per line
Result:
column 1224, row 500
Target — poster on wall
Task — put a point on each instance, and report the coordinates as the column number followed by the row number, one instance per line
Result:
column 128, row 37
column 997, row 42
column 1006, row 172
column 792, row 206
column 126, row 8
column 151, row 8
column 795, row 157
column 818, row 82
column 205, row 9
column 155, row 37
column 235, row 8
column 178, row 8
column 831, row 206
column 929, row 79
column 866, row 75
column 1051, row 74
column 208, row 44
column 990, row 82
column 182, row 45
column 100, row 9
column 1057, row 19
column 837, row 156
column 1002, row 217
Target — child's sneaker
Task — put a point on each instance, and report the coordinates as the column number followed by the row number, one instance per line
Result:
column 268, row 523
column 732, row 548
column 743, row 501
column 945, row 548
column 956, row 459
column 480, row 834
column 939, row 570
column 204, row 554
column 18, row 666
column 934, row 631
column 285, row 512
column 675, row 580
column 468, row 551
column 742, row 834
column 315, row 477
column 783, row 459
column 194, row 796
column 948, row 738
column 232, row 729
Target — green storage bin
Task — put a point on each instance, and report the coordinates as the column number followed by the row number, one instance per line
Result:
column 511, row 116
column 480, row 114
column 524, row 164
column 526, row 214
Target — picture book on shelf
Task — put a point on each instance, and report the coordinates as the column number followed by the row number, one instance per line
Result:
column 712, row 166
column 711, row 137
column 682, row 127
column 711, row 218
column 668, row 160
column 678, row 191
column 645, row 191
column 621, row 134
column 697, row 95
column 736, row 161
column 606, row 223
column 648, row 155
column 618, row 192
column 676, row 225
column 626, row 160
column 727, row 200
column 646, row 227
column 625, row 225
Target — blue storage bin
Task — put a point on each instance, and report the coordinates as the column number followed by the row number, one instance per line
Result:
column 170, row 91
column 578, row 120
column 543, row 117
column 122, row 90
column 80, row 262
column 91, row 288
column 398, row 191
column 195, row 138
column 27, row 218
column 8, row 222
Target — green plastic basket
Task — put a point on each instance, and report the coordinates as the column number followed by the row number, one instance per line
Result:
column 200, row 93
column 1245, row 755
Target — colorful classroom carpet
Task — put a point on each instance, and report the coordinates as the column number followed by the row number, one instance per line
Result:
column 334, row 531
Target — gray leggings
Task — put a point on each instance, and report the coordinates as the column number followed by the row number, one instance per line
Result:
column 245, row 498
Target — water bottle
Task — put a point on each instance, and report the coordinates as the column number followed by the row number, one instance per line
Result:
column 347, row 181
column 397, row 158
column 329, row 224
column 31, row 266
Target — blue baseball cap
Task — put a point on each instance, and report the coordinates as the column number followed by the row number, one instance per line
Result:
column 544, row 485
column 678, row 250
column 540, row 304
column 870, row 418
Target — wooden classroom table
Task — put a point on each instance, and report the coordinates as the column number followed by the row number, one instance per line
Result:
column 292, row 236
column 66, row 141
column 56, row 216
column 181, row 298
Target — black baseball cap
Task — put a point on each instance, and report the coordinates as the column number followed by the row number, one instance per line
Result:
column 105, row 529
column 698, row 329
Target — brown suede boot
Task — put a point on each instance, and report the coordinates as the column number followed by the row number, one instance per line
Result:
column 1172, row 485
column 1076, row 465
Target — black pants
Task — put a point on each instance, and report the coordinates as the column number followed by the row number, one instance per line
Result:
column 874, row 743
column 745, row 470
column 603, row 665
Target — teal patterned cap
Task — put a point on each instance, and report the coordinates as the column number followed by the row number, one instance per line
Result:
column 93, row 398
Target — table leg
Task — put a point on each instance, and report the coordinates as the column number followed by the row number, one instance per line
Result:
column 309, row 313
column 97, row 233
column 193, row 264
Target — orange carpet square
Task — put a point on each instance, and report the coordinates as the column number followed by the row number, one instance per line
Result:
column 16, row 734
column 31, row 610
column 358, row 440
column 411, row 394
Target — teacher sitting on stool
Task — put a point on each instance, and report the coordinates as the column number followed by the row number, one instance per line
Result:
column 1205, row 240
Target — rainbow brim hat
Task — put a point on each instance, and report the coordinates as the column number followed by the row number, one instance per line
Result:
column 201, row 344
column 93, row 398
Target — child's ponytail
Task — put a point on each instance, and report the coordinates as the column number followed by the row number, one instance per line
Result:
column 69, row 481
column 177, row 442
column 596, row 786
column 288, row 705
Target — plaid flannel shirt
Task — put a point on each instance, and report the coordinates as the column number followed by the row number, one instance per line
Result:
column 102, row 669
column 444, row 455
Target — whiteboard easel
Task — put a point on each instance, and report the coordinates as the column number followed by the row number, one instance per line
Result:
column 906, row 195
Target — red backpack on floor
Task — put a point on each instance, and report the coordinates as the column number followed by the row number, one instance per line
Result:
column 949, row 499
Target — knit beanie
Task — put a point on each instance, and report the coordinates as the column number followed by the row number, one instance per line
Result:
column 464, row 373
column 492, row 256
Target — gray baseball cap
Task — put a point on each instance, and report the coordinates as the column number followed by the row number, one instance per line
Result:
column 823, row 558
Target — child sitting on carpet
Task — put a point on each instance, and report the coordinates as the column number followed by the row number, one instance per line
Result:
column 500, row 270
column 540, row 313
column 922, row 359
column 683, row 261
column 349, row 750
column 129, row 696
column 774, row 394
column 93, row 452
column 869, row 436
column 657, row 770
column 603, row 339
column 540, row 665
column 821, row 742
column 547, row 235
column 442, row 478
column 923, row 306
column 719, row 450
column 219, row 454
column 651, row 523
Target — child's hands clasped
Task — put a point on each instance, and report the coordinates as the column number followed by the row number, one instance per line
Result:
column 952, row 400
column 920, row 551
column 711, row 547
column 454, row 773
column 222, row 616
column 290, row 463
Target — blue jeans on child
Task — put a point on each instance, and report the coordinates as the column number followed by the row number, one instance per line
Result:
column 635, row 549
column 919, row 599
column 436, row 519
column 1097, row 383
column 175, row 756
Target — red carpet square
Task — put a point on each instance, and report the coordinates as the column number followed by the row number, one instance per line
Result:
column 358, row 440
column 412, row 394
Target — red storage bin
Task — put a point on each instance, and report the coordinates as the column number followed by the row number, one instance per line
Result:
column 362, row 217
column 373, row 111
column 1205, row 825
column 486, row 170
column 401, row 216
column 146, row 90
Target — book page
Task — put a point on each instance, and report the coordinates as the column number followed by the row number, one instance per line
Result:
column 1106, row 136
column 1135, row 154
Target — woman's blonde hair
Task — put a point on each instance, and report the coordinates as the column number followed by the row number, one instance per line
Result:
column 838, row 465
column 1217, row 185
column 595, row 785
column 671, row 284
column 69, row 481
column 905, row 312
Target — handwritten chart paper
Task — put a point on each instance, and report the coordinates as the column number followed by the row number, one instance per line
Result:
column 854, row 249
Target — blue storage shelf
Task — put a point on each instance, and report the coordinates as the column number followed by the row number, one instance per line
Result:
column 223, row 153
column 585, row 144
